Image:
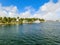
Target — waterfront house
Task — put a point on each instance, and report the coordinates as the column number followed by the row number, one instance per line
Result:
column 17, row 19
column 25, row 21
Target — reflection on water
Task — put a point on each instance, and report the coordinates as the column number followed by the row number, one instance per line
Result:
column 47, row 33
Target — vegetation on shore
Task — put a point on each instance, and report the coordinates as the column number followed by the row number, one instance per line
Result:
column 9, row 20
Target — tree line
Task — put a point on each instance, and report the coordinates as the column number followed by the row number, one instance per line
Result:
column 10, row 20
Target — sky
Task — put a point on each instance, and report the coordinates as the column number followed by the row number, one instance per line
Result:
column 46, row 9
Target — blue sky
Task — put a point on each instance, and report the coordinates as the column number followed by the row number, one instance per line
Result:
column 46, row 9
column 21, row 4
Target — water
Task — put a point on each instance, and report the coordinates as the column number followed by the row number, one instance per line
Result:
column 47, row 33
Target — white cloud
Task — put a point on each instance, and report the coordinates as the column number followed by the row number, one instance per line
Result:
column 50, row 11
column 9, row 11
column 26, row 14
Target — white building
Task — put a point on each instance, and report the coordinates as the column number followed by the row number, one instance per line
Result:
column 24, row 21
column 17, row 20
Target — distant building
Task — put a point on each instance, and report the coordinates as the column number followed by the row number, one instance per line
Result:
column 50, row 21
column 17, row 20
column 24, row 21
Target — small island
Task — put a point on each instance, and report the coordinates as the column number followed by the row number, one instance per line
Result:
column 17, row 20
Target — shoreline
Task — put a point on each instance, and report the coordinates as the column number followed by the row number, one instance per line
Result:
column 15, row 23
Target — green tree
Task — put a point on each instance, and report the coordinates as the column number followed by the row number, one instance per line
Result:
column 9, row 20
column 5, row 20
column 42, row 20
column 0, row 19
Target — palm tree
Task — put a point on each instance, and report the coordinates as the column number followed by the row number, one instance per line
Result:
column 0, row 19
column 9, row 20
column 21, row 20
column 41, row 20
column 4, row 20
column 29, row 20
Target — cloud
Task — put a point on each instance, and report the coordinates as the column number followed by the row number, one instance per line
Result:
column 25, row 14
column 9, row 11
column 28, row 13
column 48, row 11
